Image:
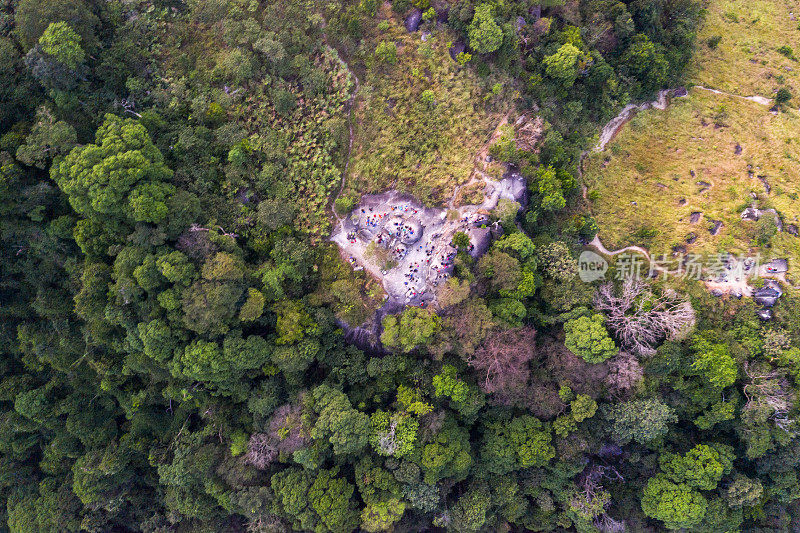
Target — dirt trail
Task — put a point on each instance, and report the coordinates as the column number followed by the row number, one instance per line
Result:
column 757, row 99
column 603, row 250
column 611, row 129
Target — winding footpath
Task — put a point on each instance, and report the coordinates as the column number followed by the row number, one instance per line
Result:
column 610, row 131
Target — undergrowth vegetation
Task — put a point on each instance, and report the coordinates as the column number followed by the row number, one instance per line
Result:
column 420, row 121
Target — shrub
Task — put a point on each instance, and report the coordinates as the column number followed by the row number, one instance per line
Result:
column 344, row 204
column 714, row 41
column 787, row 51
column 285, row 102
column 485, row 36
column 386, row 52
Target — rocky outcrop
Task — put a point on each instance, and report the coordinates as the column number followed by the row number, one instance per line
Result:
column 413, row 20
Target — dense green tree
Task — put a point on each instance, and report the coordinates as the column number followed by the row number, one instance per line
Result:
column 321, row 502
column 564, row 64
column 587, row 337
column 123, row 175
column 413, row 327
column 677, row 505
column 646, row 63
column 467, row 399
column 32, row 19
column 62, row 43
column 702, row 467
column 49, row 138
column 640, row 420
column 447, row 455
column 338, row 423
column 714, row 363
column 523, row 442
column 485, row 36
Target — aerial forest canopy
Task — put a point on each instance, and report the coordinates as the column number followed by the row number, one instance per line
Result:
column 184, row 348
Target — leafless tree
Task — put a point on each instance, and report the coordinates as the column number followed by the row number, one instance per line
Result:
column 606, row 524
column 261, row 451
column 267, row 523
column 591, row 499
column 563, row 366
column 624, row 372
column 768, row 388
column 286, row 433
column 503, row 359
column 641, row 319
column 287, row 429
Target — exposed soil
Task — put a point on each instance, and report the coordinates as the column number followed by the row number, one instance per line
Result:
column 407, row 246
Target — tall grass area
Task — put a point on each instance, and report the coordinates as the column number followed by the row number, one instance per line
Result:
column 740, row 47
column 420, row 119
column 636, row 185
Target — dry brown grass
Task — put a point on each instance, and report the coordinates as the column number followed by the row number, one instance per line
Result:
column 651, row 160
column 746, row 60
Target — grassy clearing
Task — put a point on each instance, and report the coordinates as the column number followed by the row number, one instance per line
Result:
column 746, row 60
column 421, row 120
column 636, row 185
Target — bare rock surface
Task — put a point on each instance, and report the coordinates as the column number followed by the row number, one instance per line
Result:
column 408, row 246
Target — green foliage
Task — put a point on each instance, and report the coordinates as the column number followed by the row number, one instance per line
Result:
column 583, row 407
column 523, row 442
column 121, row 176
column 702, row 467
column 61, row 42
column 460, row 240
column 386, row 52
column 174, row 342
column 338, row 423
column 467, row 399
column 587, row 337
column 317, row 503
column 552, row 186
column 714, row 363
column 677, row 505
column 393, row 433
column 253, row 307
column 485, row 36
column 564, row 64
column 783, row 96
column 447, row 455
column 743, row 491
column 413, row 327
column 49, row 139
column 646, row 62
column 640, row 420
column 33, row 17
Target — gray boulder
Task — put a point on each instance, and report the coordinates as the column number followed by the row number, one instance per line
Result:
column 456, row 49
column 413, row 21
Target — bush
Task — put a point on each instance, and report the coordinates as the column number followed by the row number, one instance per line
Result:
column 714, row 41
column 344, row 205
column 787, row 52
column 783, row 95
column 386, row 52
column 285, row 102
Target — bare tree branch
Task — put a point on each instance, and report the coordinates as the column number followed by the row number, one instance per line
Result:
column 640, row 319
